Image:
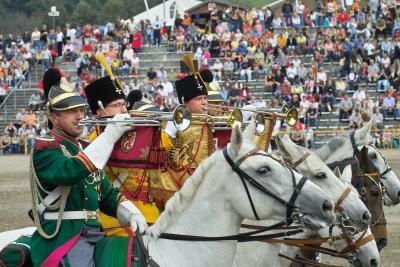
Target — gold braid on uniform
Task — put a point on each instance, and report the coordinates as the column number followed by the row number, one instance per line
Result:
column 36, row 196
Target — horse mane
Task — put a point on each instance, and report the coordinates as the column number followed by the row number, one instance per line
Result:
column 182, row 198
column 326, row 150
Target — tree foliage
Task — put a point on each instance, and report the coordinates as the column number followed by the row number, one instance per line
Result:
column 32, row 13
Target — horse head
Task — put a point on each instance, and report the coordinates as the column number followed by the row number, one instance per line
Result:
column 371, row 192
column 307, row 163
column 347, row 147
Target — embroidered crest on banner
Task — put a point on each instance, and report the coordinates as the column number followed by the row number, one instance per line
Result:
column 127, row 142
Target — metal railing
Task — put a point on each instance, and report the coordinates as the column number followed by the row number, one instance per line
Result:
column 12, row 92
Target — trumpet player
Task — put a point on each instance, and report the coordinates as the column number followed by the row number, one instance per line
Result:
column 192, row 92
column 106, row 98
column 68, row 184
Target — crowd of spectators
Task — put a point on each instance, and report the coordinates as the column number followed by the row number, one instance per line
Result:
column 349, row 48
column 15, row 62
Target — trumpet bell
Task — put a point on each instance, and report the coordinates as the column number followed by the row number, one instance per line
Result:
column 291, row 114
column 260, row 124
column 182, row 118
column 236, row 116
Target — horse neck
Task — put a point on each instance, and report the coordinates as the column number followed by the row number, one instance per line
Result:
column 208, row 214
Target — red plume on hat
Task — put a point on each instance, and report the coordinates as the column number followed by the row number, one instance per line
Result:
column 51, row 77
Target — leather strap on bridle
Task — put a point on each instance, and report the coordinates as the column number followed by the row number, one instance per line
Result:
column 361, row 241
column 341, row 199
column 299, row 161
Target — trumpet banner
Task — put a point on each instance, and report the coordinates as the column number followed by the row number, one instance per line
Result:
column 189, row 149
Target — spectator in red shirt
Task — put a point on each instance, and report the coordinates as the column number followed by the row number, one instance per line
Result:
column 343, row 17
column 136, row 42
column 87, row 48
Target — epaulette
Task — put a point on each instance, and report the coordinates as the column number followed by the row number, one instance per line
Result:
column 84, row 143
column 47, row 142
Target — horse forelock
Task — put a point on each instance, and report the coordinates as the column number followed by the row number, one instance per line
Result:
column 181, row 199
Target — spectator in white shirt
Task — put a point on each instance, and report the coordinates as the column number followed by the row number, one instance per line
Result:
column 359, row 95
column 291, row 73
column 388, row 105
column 127, row 56
column 35, row 39
column 217, row 69
column 385, row 61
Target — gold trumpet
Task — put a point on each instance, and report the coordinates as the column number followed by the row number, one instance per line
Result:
column 235, row 116
column 263, row 118
column 181, row 117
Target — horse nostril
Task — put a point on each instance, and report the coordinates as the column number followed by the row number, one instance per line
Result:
column 366, row 216
column 374, row 263
column 398, row 194
column 382, row 243
column 327, row 206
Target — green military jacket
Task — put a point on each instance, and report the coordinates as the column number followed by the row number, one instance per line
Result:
column 58, row 160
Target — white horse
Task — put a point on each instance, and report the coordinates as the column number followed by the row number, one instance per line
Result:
column 319, row 173
column 214, row 202
column 341, row 147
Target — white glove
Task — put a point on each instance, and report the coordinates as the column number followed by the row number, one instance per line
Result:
column 129, row 215
column 114, row 131
column 99, row 151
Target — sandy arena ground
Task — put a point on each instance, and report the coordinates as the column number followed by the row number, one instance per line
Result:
column 15, row 202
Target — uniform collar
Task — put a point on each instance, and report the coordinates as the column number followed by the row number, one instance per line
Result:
column 60, row 135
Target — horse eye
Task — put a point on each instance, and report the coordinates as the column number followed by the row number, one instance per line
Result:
column 320, row 175
column 263, row 170
column 373, row 156
column 375, row 193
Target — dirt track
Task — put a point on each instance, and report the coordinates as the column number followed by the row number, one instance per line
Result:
column 15, row 202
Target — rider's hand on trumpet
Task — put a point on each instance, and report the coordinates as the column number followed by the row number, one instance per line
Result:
column 115, row 130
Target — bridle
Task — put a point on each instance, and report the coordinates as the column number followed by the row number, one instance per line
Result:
column 364, row 197
column 387, row 200
column 292, row 211
column 338, row 208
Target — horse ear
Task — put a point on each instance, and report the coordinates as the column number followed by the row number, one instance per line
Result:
column 250, row 132
column 285, row 145
column 363, row 134
column 364, row 154
column 236, row 139
column 346, row 174
column 336, row 171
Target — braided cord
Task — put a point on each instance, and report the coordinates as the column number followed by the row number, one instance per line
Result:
column 35, row 193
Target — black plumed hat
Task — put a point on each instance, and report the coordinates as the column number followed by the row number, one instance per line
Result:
column 104, row 90
column 51, row 77
column 190, row 87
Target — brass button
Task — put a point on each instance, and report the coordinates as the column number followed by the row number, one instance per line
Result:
column 86, row 198
column 85, row 186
